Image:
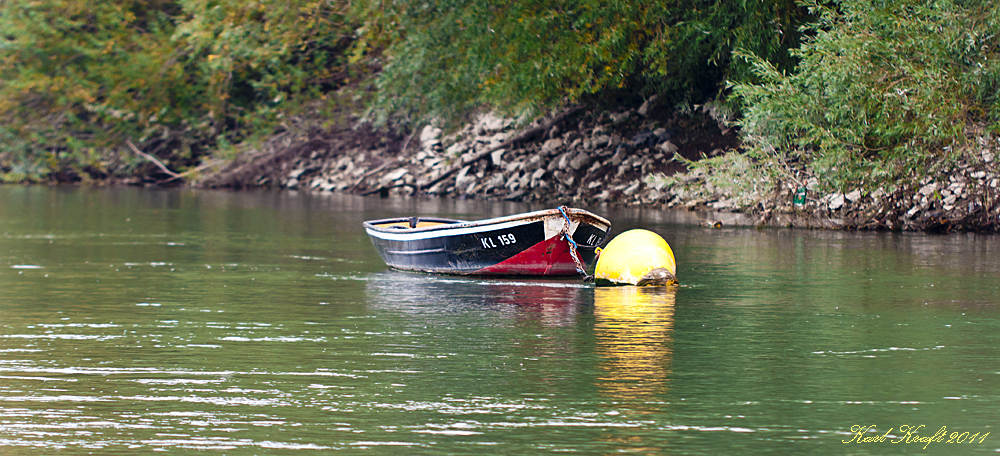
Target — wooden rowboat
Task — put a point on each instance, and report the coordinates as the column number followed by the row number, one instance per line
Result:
column 552, row 242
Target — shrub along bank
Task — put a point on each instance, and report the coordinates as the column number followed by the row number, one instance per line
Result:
column 850, row 113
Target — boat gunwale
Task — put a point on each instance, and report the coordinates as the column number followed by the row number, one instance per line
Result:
column 459, row 224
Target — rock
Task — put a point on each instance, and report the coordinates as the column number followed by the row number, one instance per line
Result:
column 538, row 174
column 620, row 116
column 632, row 188
column 552, row 145
column 618, row 158
column 433, row 163
column 977, row 174
column 534, row 163
column 429, row 134
column 295, row 174
column 928, row 189
column 395, row 175
column 563, row 161
column 600, row 141
column 503, row 136
column 463, row 179
column 553, row 132
column 581, row 160
column 645, row 106
column 455, row 150
column 514, row 183
column 553, row 164
column 489, row 123
column 644, row 139
column 494, row 182
column 667, row 147
column 853, row 196
column 515, row 196
column 292, row 183
column 836, row 201
column 496, row 157
column 514, row 166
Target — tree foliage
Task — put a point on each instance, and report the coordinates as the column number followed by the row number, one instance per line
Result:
column 881, row 89
column 182, row 78
column 82, row 76
column 520, row 57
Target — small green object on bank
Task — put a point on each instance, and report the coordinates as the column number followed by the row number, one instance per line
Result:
column 800, row 197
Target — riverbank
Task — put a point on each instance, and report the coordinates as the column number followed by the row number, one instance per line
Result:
column 632, row 157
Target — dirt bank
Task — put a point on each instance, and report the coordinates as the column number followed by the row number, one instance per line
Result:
column 629, row 157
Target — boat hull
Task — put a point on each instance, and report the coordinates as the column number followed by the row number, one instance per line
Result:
column 529, row 244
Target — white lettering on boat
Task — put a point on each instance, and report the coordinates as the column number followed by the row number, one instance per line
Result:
column 503, row 239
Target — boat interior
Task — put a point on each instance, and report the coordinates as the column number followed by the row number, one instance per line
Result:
column 410, row 223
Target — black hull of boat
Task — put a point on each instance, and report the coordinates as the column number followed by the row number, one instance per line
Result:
column 525, row 245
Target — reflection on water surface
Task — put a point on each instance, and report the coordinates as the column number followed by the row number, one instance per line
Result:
column 134, row 321
column 632, row 331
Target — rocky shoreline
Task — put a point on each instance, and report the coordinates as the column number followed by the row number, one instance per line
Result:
column 630, row 157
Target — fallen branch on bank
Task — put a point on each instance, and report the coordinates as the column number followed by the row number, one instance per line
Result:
column 525, row 135
column 202, row 167
column 153, row 159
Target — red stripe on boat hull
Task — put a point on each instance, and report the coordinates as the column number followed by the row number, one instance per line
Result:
column 550, row 257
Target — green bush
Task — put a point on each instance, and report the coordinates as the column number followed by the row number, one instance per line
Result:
column 82, row 76
column 181, row 77
column 882, row 90
column 448, row 58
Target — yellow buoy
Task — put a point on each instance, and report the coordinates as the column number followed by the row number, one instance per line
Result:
column 636, row 257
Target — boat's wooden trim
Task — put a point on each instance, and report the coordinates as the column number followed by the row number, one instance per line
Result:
column 406, row 224
column 389, row 229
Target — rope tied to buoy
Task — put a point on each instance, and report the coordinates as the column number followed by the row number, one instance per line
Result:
column 572, row 244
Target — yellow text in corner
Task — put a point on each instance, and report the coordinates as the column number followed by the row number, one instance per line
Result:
column 911, row 434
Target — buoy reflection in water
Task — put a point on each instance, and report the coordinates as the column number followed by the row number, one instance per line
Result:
column 633, row 331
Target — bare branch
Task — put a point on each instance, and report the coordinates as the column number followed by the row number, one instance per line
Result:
column 152, row 159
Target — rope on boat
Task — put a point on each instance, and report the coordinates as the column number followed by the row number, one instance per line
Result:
column 572, row 244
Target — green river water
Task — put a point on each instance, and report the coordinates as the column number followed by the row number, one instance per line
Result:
column 201, row 322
